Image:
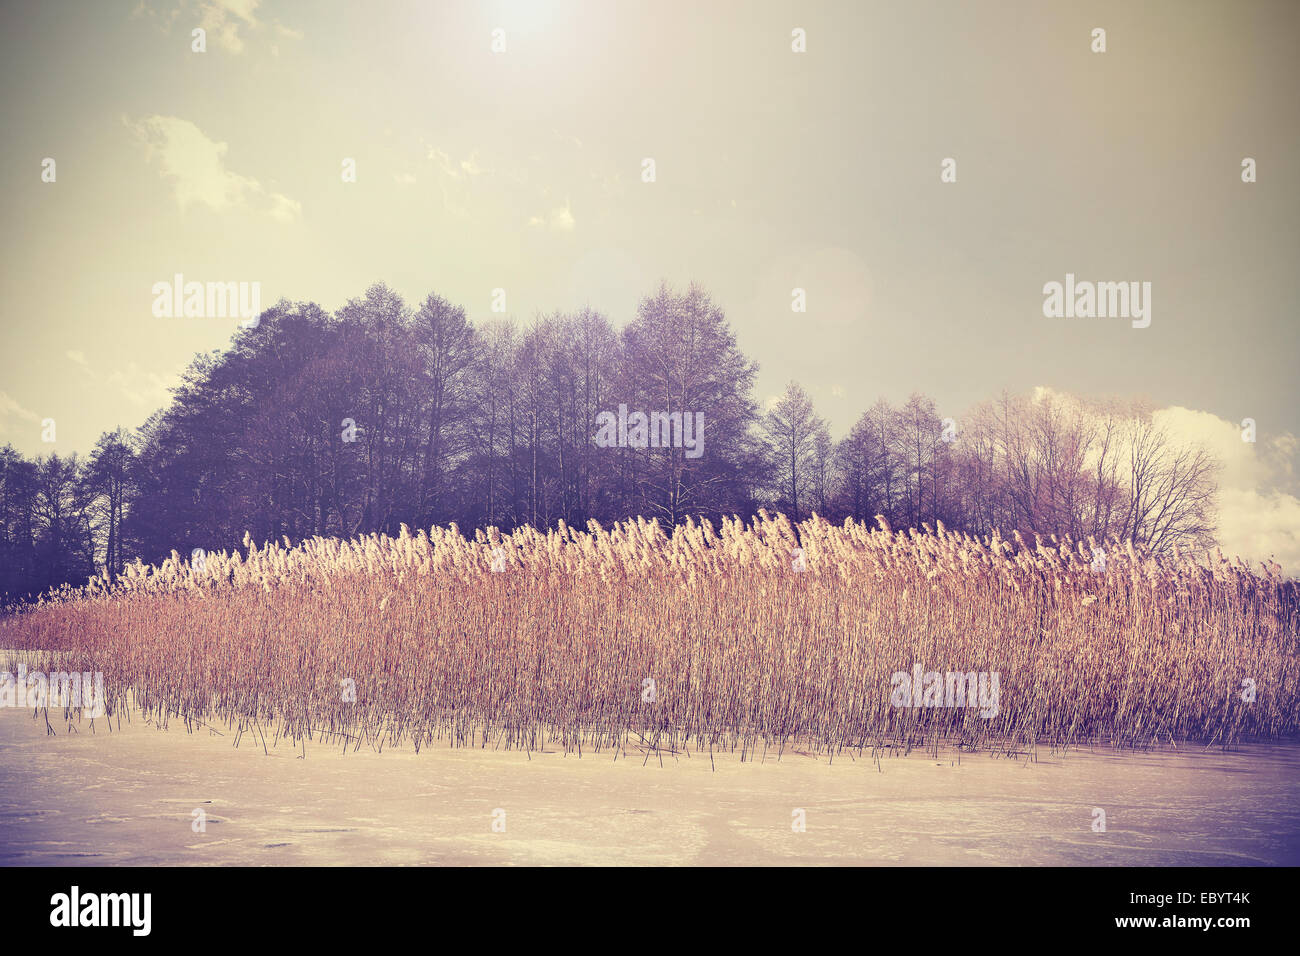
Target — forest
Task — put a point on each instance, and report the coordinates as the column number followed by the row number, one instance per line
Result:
column 388, row 413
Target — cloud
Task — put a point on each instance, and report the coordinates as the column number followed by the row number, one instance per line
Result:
column 223, row 19
column 1258, row 515
column 83, row 365
column 470, row 166
column 566, row 138
column 11, row 413
column 142, row 10
column 560, row 219
column 194, row 163
column 243, row 9
column 455, row 179
column 508, row 188
column 284, row 209
column 1259, row 511
column 1258, row 525
column 466, row 168
column 146, row 389
column 196, row 167
column 228, row 24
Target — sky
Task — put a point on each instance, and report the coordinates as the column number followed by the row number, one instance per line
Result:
column 522, row 168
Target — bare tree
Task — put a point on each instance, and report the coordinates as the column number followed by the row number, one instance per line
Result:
column 1060, row 465
column 796, row 434
column 1170, row 490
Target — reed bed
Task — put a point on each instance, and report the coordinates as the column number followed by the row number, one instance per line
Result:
column 536, row 640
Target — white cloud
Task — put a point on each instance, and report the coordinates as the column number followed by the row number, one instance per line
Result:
column 229, row 24
column 471, row 189
column 1259, row 512
column 470, row 166
column 196, row 167
column 1258, row 515
column 223, row 19
column 142, row 10
column 146, row 389
column 11, row 413
column 562, row 219
column 1259, row 525
column 241, row 8
column 455, row 179
column 284, row 209
column 79, row 359
column 140, row 387
column 559, row 219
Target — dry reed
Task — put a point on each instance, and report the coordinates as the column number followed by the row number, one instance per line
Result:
column 745, row 651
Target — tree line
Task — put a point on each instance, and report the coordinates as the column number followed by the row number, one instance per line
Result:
column 386, row 413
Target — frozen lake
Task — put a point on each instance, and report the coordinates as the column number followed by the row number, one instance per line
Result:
column 129, row 798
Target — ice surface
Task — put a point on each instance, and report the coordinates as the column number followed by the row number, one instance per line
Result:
column 127, row 797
